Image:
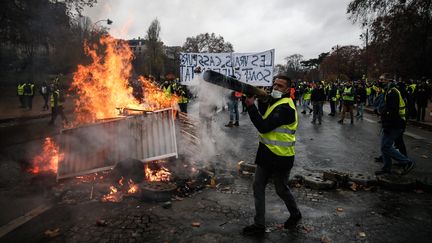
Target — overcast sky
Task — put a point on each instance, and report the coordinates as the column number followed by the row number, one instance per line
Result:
column 307, row 27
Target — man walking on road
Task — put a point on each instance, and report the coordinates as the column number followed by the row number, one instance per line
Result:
column 57, row 106
column 318, row 98
column 275, row 155
column 393, row 119
column 20, row 93
column 348, row 95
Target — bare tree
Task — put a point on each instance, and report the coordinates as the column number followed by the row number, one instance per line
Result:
column 154, row 55
column 209, row 43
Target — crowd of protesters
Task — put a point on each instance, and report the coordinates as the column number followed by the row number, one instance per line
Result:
column 50, row 92
column 344, row 96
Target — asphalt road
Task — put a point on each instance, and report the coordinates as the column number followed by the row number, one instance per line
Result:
column 345, row 148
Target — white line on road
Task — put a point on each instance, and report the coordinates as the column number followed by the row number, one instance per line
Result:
column 414, row 136
column 23, row 219
column 369, row 120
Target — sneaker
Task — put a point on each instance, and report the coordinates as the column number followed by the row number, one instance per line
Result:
column 408, row 167
column 303, row 112
column 340, row 121
column 292, row 220
column 236, row 124
column 382, row 172
column 310, row 111
column 254, row 230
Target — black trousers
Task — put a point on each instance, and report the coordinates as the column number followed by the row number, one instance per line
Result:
column 280, row 178
column 332, row 107
column 57, row 111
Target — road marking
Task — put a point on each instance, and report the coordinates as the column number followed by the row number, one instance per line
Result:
column 414, row 136
column 369, row 120
column 5, row 229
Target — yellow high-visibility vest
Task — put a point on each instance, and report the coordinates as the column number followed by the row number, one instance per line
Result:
column 345, row 95
column 307, row 94
column 20, row 89
column 402, row 109
column 281, row 140
column 57, row 92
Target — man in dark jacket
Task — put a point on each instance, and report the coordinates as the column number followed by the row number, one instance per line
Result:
column 361, row 100
column 421, row 95
column 318, row 98
column 393, row 120
column 276, row 122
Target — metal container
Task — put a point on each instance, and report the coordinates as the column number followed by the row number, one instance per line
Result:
column 99, row 146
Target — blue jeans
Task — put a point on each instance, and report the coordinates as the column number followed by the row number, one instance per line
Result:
column 306, row 105
column 388, row 151
column 360, row 110
column 233, row 108
column 280, row 179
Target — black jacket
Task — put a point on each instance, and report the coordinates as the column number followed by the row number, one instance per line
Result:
column 390, row 115
column 318, row 95
column 361, row 95
column 281, row 115
column 422, row 94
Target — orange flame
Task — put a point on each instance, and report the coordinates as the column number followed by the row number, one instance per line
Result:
column 48, row 159
column 113, row 196
column 133, row 188
column 162, row 174
column 120, row 182
column 103, row 86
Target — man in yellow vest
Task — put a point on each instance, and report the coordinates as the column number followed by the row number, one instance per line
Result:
column 56, row 105
column 276, row 122
column 348, row 95
column 28, row 94
column 20, row 93
column 393, row 120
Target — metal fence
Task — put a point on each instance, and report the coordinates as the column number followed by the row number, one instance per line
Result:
column 99, row 146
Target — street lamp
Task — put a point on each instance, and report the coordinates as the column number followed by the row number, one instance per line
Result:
column 109, row 22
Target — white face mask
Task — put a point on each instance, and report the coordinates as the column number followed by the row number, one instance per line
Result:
column 276, row 94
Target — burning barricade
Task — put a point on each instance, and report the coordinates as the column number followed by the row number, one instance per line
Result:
column 111, row 126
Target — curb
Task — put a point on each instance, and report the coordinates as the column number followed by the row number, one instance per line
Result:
column 426, row 125
column 363, row 179
column 316, row 181
column 33, row 117
column 395, row 182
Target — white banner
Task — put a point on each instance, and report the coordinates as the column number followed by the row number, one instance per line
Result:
column 251, row 68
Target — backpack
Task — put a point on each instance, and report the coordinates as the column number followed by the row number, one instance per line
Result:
column 27, row 89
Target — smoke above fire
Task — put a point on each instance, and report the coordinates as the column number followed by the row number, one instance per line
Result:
column 217, row 147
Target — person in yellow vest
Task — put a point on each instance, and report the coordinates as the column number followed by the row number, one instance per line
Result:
column 410, row 98
column 306, row 98
column 276, row 151
column 56, row 101
column 393, row 120
column 20, row 93
column 167, row 89
column 348, row 95
column 29, row 94
column 369, row 94
column 183, row 101
column 333, row 97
